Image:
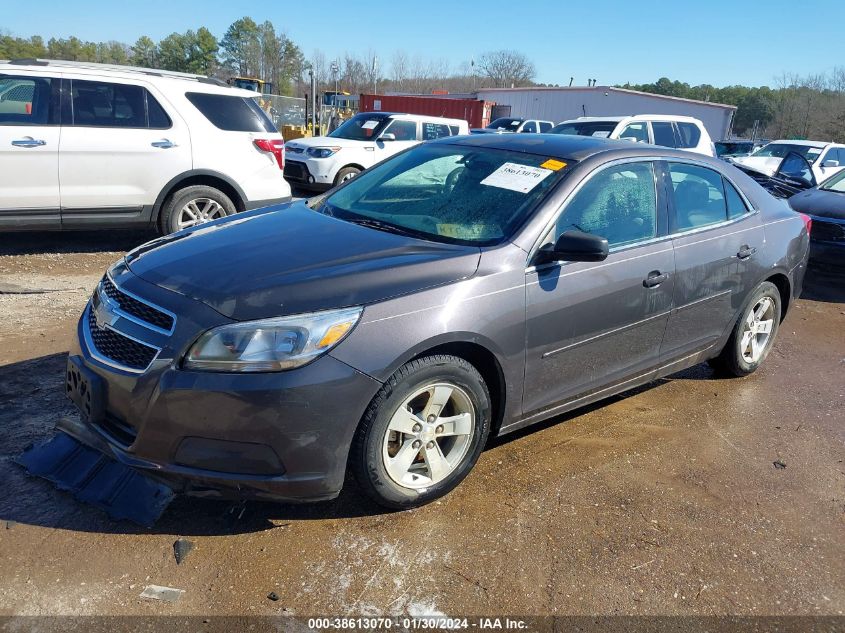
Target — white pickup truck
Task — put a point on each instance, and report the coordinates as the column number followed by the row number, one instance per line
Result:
column 323, row 162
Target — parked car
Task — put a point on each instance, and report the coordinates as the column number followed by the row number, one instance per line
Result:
column 825, row 206
column 360, row 142
column 509, row 125
column 680, row 132
column 92, row 146
column 736, row 147
column 826, row 159
column 398, row 321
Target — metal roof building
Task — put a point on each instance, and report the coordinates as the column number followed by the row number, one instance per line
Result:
column 560, row 104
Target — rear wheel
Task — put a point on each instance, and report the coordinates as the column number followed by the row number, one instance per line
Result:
column 193, row 206
column 753, row 335
column 422, row 433
column 347, row 173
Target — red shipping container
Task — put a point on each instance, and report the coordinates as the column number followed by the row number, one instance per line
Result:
column 475, row 112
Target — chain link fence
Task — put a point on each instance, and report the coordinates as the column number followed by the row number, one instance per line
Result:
column 292, row 111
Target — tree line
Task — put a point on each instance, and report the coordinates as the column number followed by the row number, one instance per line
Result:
column 812, row 106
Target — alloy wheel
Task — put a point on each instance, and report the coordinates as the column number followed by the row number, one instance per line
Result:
column 757, row 330
column 429, row 435
column 199, row 211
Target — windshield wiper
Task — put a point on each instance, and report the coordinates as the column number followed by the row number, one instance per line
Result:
column 380, row 225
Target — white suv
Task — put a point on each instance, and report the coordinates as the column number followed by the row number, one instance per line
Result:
column 826, row 159
column 361, row 142
column 667, row 130
column 93, row 146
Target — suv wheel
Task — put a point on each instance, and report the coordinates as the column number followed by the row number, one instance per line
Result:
column 192, row 206
column 422, row 433
column 753, row 335
column 347, row 173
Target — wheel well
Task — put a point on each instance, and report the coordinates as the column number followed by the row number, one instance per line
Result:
column 781, row 281
column 208, row 181
column 487, row 365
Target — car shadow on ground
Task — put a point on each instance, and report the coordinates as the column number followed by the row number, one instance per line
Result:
column 824, row 285
column 38, row 243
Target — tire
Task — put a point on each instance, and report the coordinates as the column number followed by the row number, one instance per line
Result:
column 208, row 204
column 744, row 352
column 457, row 437
column 347, row 173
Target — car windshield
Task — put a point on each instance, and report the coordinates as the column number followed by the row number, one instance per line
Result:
column 448, row 193
column 780, row 150
column 602, row 129
column 724, row 148
column 505, row 123
column 835, row 183
column 361, row 127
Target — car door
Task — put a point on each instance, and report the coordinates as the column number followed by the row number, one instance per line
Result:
column 589, row 325
column 405, row 135
column 716, row 235
column 122, row 146
column 29, row 151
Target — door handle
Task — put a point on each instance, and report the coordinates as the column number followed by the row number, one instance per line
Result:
column 746, row 251
column 655, row 278
column 164, row 144
column 28, row 142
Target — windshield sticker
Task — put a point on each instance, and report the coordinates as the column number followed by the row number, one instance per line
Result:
column 554, row 165
column 814, row 150
column 516, row 177
column 601, row 133
column 371, row 124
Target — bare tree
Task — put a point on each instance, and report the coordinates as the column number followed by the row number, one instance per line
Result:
column 506, row 68
column 399, row 70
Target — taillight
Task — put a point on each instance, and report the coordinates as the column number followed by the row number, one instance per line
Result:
column 274, row 146
column 808, row 221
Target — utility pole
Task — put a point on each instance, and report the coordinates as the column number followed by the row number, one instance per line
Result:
column 375, row 75
column 313, row 103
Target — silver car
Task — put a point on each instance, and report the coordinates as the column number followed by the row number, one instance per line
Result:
column 461, row 290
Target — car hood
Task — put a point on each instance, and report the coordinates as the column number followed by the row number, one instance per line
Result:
column 289, row 260
column 325, row 141
column 823, row 204
column 764, row 164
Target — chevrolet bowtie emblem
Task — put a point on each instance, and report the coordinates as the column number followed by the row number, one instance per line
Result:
column 104, row 312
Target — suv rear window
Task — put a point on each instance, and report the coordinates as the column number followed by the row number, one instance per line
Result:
column 230, row 113
column 689, row 135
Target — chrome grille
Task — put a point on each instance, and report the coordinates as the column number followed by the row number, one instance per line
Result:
column 118, row 348
column 136, row 308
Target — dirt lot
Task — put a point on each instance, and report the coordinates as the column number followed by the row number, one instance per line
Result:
column 666, row 501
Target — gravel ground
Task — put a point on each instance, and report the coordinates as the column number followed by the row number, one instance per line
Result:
column 666, row 501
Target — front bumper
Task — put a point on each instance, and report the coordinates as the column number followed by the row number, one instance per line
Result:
column 278, row 436
column 310, row 173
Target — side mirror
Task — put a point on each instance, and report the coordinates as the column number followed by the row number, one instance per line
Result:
column 574, row 246
column 632, row 139
column 830, row 163
column 387, row 137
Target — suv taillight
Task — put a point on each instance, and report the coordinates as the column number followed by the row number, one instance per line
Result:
column 273, row 146
column 808, row 221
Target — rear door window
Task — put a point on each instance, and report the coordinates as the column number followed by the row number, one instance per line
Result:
column 431, row 131
column 698, row 195
column 529, row 127
column 664, row 133
column 231, row 113
column 27, row 100
column 545, row 126
column 688, row 135
column 102, row 104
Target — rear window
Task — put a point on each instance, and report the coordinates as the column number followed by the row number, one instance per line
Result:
column 663, row 134
column 602, row 129
column 230, row 113
column 431, row 131
column 690, row 135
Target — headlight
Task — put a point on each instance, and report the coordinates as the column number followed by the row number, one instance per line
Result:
column 321, row 152
column 271, row 344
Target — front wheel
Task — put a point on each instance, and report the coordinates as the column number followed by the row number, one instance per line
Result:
column 422, row 433
column 347, row 173
column 753, row 335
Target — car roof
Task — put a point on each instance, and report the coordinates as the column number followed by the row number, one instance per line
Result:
column 567, row 146
column 412, row 117
column 625, row 117
column 201, row 83
column 802, row 142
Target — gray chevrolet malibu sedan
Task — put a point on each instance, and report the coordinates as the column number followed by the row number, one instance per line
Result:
column 460, row 290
